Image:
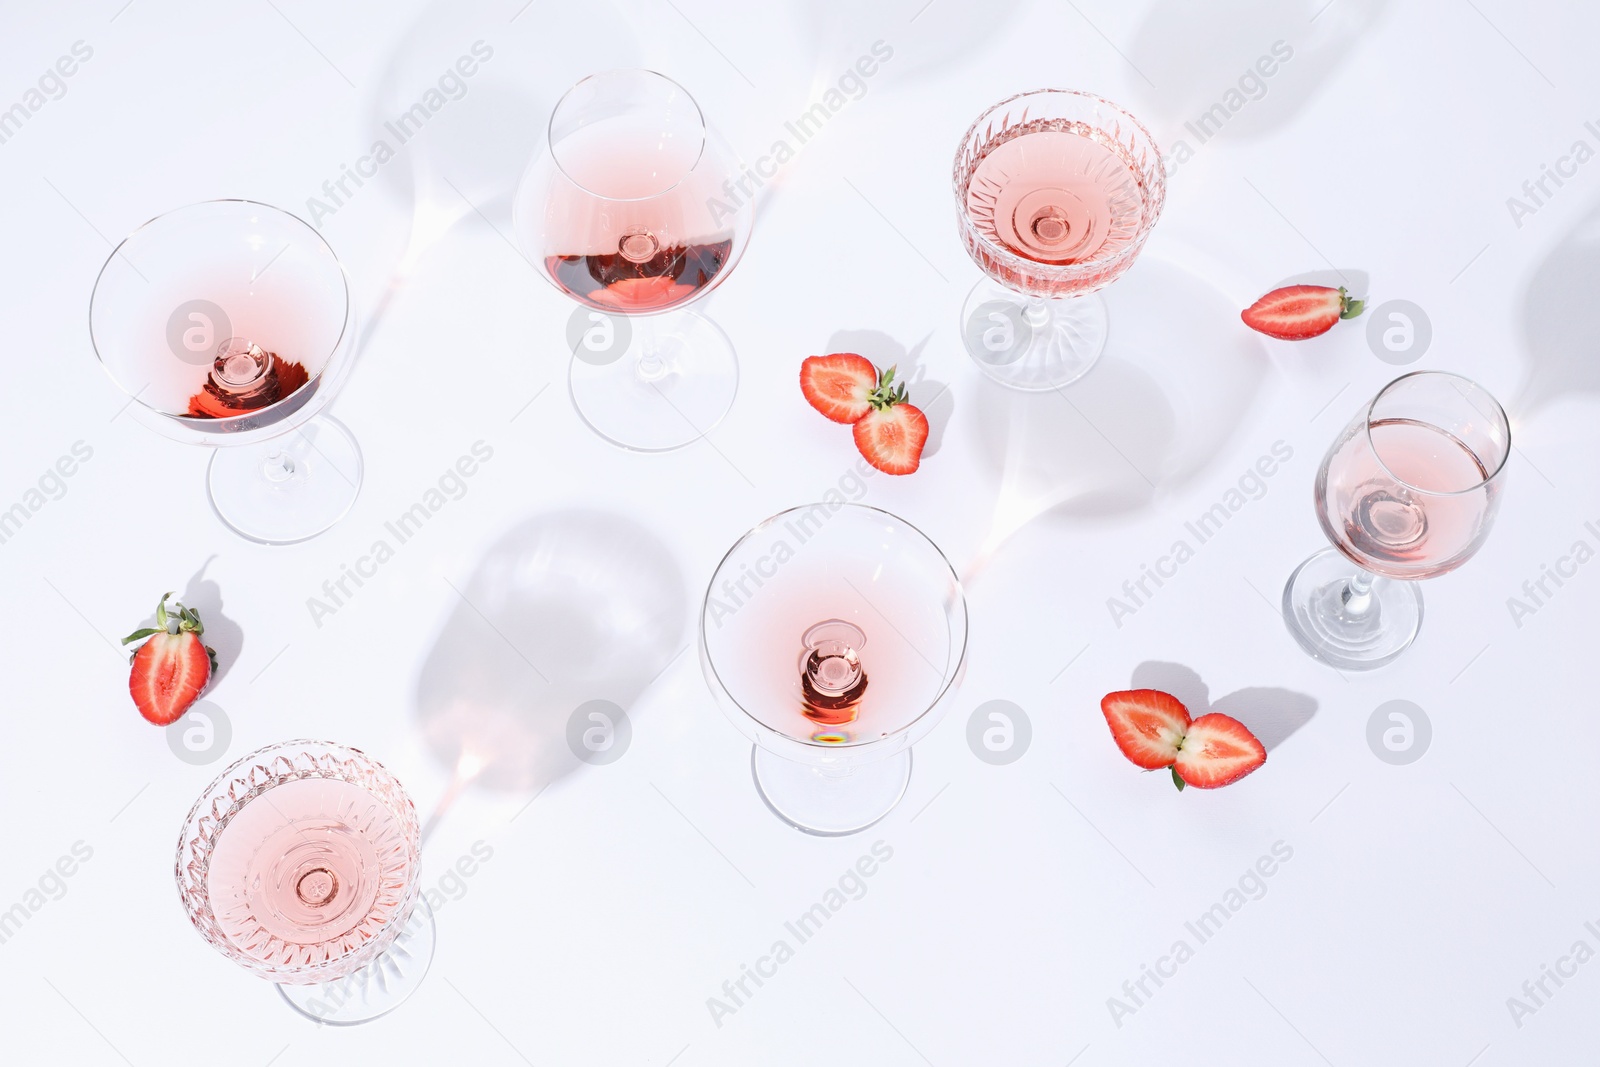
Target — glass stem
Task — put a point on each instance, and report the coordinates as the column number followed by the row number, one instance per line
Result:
column 1037, row 313
column 278, row 466
column 1358, row 592
column 650, row 366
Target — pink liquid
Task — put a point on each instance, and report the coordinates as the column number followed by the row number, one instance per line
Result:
column 1406, row 506
column 637, row 221
column 309, row 871
column 1057, row 193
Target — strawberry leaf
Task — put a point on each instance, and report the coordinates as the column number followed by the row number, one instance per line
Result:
column 146, row 632
column 1177, row 780
column 1349, row 308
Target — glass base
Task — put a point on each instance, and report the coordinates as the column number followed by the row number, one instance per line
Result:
column 1349, row 633
column 379, row 987
column 287, row 489
column 1030, row 343
column 830, row 801
column 674, row 382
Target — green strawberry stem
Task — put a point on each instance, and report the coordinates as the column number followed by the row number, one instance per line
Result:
column 1348, row 308
column 887, row 394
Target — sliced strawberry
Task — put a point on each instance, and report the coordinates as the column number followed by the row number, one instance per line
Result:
column 840, row 385
column 1216, row 751
column 892, row 438
column 1148, row 725
column 170, row 669
column 1297, row 312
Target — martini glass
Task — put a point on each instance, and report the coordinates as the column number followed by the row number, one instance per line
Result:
column 1408, row 491
column 301, row 863
column 630, row 211
column 1056, row 192
column 229, row 323
column 831, row 636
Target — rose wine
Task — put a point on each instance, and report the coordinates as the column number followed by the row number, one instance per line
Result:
column 636, row 220
column 245, row 378
column 640, row 275
column 1054, row 192
column 832, row 679
column 309, row 871
column 1411, row 504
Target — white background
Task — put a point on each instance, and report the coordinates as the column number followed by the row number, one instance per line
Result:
column 1019, row 898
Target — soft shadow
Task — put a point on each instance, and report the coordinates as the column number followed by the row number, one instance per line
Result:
column 1177, row 375
column 471, row 152
column 1199, row 58
column 1355, row 282
column 926, row 38
column 1269, row 713
column 222, row 634
column 567, row 607
column 1561, row 321
column 932, row 396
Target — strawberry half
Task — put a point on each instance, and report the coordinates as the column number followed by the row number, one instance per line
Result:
column 1297, row 312
column 840, row 385
column 1147, row 724
column 172, row 667
column 1153, row 729
column 1217, row 751
column 892, row 438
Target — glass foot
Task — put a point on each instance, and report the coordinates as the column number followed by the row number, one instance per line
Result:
column 379, row 987
column 830, row 801
column 1032, row 344
column 289, row 488
column 674, row 382
column 1345, row 631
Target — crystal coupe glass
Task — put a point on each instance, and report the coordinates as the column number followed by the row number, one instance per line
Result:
column 1056, row 191
column 229, row 323
column 831, row 636
column 630, row 210
column 1408, row 491
column 301, row 863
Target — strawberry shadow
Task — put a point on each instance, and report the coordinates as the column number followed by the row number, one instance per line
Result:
column 932, row 396
column 1271, row 714
column 222, row 634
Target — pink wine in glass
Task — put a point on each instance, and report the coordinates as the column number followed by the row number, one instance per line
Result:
column 833, row 680
column 1055, row 192
column 245, row 377
column 310, row 871
column 635, row 227
column 1407, row 491
column 1404, row 506
column 640, row 276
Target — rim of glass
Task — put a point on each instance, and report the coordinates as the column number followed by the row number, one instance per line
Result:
column 555, row 157
column 955, row 668
column 1499, row 414
column 1157, row 190
column 203, row 424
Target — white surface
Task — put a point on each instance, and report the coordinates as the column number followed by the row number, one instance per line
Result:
column 1020, row 897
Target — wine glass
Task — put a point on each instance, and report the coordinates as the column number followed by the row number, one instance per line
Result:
column 1407, row 491
column 831, row 636
column 229, row 323
column 1056, row 192
column 301, row 863
column 630, row 210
